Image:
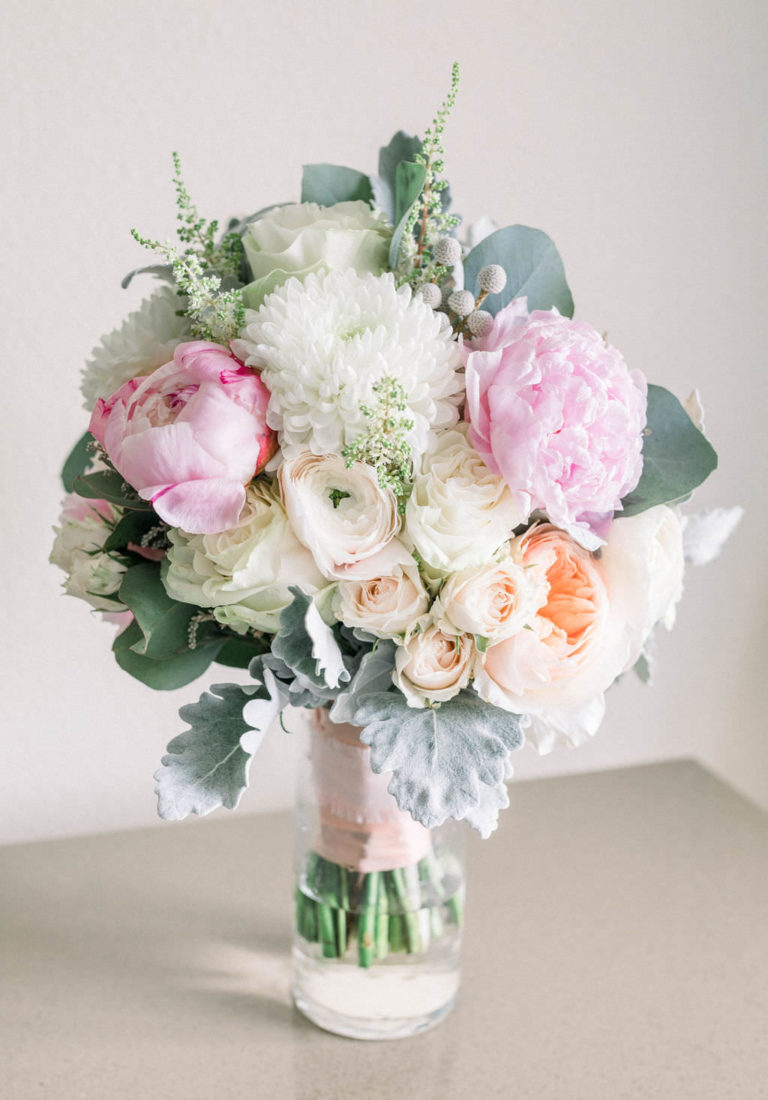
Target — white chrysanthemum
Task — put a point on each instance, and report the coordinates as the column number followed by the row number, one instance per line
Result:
column 144, row 342
column 322, row 345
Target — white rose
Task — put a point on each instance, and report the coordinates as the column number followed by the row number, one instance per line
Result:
column 494, row 602
column 296, row 239
column 92, row 575
column 386, row 606
column 245, row 572
column 433, row 666
column 642, row 564
column 343, row 516
column 459, row 513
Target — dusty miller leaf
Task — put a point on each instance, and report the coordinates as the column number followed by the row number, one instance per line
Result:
column 446, row 761
column 207, row 765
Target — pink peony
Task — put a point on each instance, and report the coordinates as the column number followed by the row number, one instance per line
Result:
column 559, row 415
column 189, row 436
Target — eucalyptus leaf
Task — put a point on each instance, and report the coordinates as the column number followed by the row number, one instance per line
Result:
column 327, row 184
column 109, row 485
column 162, row 675
column 164, row 622
column 132, row 527
column 239, row 652
column 206, row 766
column 533, row 266
column 77, row 462
column 409, row 181
column 676, row 456
column 160, row 271
column 446, row 761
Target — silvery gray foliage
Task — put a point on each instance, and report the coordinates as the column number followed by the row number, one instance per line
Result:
column 446, row 761
column 373, row 677
column 207, row 765
column 308, row 647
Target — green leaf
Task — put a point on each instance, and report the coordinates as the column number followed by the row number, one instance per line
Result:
column 162, row 271
column 446, row 761
column 163, row 675
column 207, row 766
column 676, row 456
column 131, row 528
column 327, row 184
column 77, row 462
column 533, row 266
column 164, row 622
column 409, row 181
column 402, row 147
column 239, row 652
column 108, row 485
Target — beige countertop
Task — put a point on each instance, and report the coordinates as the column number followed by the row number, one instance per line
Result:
column 616, row 946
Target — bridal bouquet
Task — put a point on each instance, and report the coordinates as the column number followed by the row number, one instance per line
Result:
column 373, row 460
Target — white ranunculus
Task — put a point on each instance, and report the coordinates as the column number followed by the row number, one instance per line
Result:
column 495, row 602
column 433, row 666
column 642, row 565
column 386, row 606
column 92, row 575
column 245, row 572
column 302, row 237
column 459, row 513
column 343, row 516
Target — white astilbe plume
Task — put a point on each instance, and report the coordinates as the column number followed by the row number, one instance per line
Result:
column 144, row 342
column 322, row 345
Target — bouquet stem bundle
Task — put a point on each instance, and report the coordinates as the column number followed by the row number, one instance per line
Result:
column 370, row 916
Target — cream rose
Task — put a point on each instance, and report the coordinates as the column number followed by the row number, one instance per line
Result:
column 576, row 645
column 433, row 666
column 302, row 237
column 494, row 602
column 459, row 513
column 386, row 606
column 92, row 575
column 245, row 572
column 343, row 516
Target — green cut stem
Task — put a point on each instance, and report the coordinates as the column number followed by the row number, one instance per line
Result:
column 366, row 921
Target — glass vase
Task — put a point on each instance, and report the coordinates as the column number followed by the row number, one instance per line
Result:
column 379, row 899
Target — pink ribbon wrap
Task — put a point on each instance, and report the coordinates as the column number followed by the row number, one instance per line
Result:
column 360, row 824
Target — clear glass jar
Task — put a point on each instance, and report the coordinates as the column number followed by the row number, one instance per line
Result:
column 379, row 898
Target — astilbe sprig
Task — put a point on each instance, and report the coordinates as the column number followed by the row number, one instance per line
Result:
column 428, row 221
column 384, row 445
column 201, row 269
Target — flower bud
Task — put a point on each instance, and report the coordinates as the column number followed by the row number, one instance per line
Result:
column 492, row 279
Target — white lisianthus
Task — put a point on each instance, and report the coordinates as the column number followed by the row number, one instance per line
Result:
column 145, row 341
column 386, row 606
column 493, row 602
column 433, row 666
column 459, row 513
column 297, row 239
column 245, row 572
column 323, row 346
column 92, row 575
column 342, row 515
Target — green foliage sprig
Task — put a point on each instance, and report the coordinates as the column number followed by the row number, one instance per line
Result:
column 428, row 220
column 384, row 445
column 201, row 269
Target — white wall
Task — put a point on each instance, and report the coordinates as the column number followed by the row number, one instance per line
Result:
column 630, row 132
